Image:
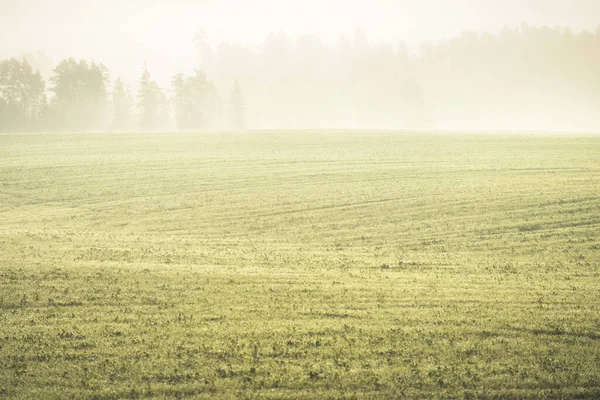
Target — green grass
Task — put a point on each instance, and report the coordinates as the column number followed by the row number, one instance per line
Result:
column 299, row 265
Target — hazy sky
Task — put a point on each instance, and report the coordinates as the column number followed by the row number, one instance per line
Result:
column 123, row 34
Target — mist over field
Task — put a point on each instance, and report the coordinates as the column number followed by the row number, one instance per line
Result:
column 428, row 65
column 310, row 199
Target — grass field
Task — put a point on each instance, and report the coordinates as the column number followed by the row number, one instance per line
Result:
column 299, row 265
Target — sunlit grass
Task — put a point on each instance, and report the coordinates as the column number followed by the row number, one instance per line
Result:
column 299, row 265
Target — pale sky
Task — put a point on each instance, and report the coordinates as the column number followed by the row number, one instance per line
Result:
column 123, row 34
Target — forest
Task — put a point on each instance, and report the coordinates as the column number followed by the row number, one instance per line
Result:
column 532, row 78
column 81, row 97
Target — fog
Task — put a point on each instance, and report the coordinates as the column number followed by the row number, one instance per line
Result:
column 486, row 65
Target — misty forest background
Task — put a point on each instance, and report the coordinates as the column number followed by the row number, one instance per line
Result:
column 538, row 78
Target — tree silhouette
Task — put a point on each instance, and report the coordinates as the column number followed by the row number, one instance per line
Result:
column 22, row 95
column 80, row 95
column 121, row 102
column 151, row 102
column 196, row 101
column 237, row 107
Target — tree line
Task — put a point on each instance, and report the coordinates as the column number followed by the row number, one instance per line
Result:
column 80, row 96
column 521, row 77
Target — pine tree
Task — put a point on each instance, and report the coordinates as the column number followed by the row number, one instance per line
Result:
column 121, row 102
column 237, row 107
column 180, row 101
column 195, row 101
column 147, row 101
